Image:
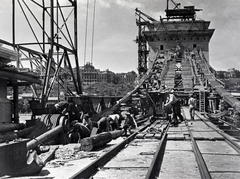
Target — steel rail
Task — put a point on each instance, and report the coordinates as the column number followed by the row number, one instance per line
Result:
column 92, row 168
column 229, row 124
column 203, row 170
column 155, row 166
column 233, row 144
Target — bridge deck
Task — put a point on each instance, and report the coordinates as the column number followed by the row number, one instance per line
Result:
column 179, row 159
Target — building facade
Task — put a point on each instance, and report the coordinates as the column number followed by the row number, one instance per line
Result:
column 90, row 75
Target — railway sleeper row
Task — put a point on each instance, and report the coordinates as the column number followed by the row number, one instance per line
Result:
column 133, row 156
column 196, row 149
column 144, row 154
column 190, row 150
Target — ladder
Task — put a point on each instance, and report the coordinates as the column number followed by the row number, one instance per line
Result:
column 201, row 101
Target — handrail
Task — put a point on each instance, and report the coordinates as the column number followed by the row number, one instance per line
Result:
column 232, row 101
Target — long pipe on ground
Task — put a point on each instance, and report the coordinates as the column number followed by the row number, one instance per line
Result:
column 99, row 140
column 15, row 135
column 6, row 127
column 44, row 137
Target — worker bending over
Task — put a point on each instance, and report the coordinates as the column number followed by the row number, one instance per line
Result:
column 129, row 122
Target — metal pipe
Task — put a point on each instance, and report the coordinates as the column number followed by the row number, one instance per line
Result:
column 6, row 127
column 44, row 137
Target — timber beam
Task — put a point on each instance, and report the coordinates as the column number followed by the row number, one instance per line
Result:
column 13, row 75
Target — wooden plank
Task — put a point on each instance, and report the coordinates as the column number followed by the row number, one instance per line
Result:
column 216, row 147
column 197, row 135
column 229, row 163
column 134, row 156
column 158, row 136
column 149, row 135
column 225, row 175
column 140, row 135
column 118, row 173
column 179, row 163
column 179, row 136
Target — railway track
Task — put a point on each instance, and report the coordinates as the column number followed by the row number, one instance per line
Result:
column 193, row 149
column 199, row 149
column 173, row 152
column 137, row 156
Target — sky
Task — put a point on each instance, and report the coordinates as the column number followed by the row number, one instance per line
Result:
column 115, row 30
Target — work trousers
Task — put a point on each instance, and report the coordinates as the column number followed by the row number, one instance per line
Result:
column 177, row 111
column 192, row 112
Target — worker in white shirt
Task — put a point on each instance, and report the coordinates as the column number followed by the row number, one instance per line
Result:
column 192, row 106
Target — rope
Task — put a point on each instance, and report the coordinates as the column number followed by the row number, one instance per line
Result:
column 39, row 141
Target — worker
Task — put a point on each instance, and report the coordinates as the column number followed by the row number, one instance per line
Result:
column 192, row 106
column 168, row 110
column 115, row 118
column 104, row 124
column 61, row 107
column 176, row 107
column 65, row 107
column 236, row 116
column 87, row 122
column 78, row 132
column 130, row 123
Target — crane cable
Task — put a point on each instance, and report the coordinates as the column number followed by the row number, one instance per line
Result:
column 93, row 30
column 85, row 47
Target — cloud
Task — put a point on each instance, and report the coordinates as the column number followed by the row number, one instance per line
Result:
column 128, row 4
column 115, row 29
column 104, row 3
column 101, row 3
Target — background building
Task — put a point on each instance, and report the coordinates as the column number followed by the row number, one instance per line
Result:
column 90, row 75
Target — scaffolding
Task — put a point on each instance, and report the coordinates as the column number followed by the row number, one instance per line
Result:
column 54, row 48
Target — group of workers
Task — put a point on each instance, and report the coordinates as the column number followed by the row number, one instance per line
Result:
column 82, row 125
column 173, row 108
column 124, row 120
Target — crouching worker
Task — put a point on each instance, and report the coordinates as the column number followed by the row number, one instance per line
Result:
column 129, row 123
column 64, row 108
column 78, row 132
column 115, row 121
column 104, row 124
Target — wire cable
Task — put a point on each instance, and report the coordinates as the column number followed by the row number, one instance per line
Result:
column 93, row 30
column 85, row 47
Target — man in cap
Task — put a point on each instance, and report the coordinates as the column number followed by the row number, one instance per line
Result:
column 176, row 107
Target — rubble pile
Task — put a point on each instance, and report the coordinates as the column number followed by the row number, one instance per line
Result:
column 67, row 153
